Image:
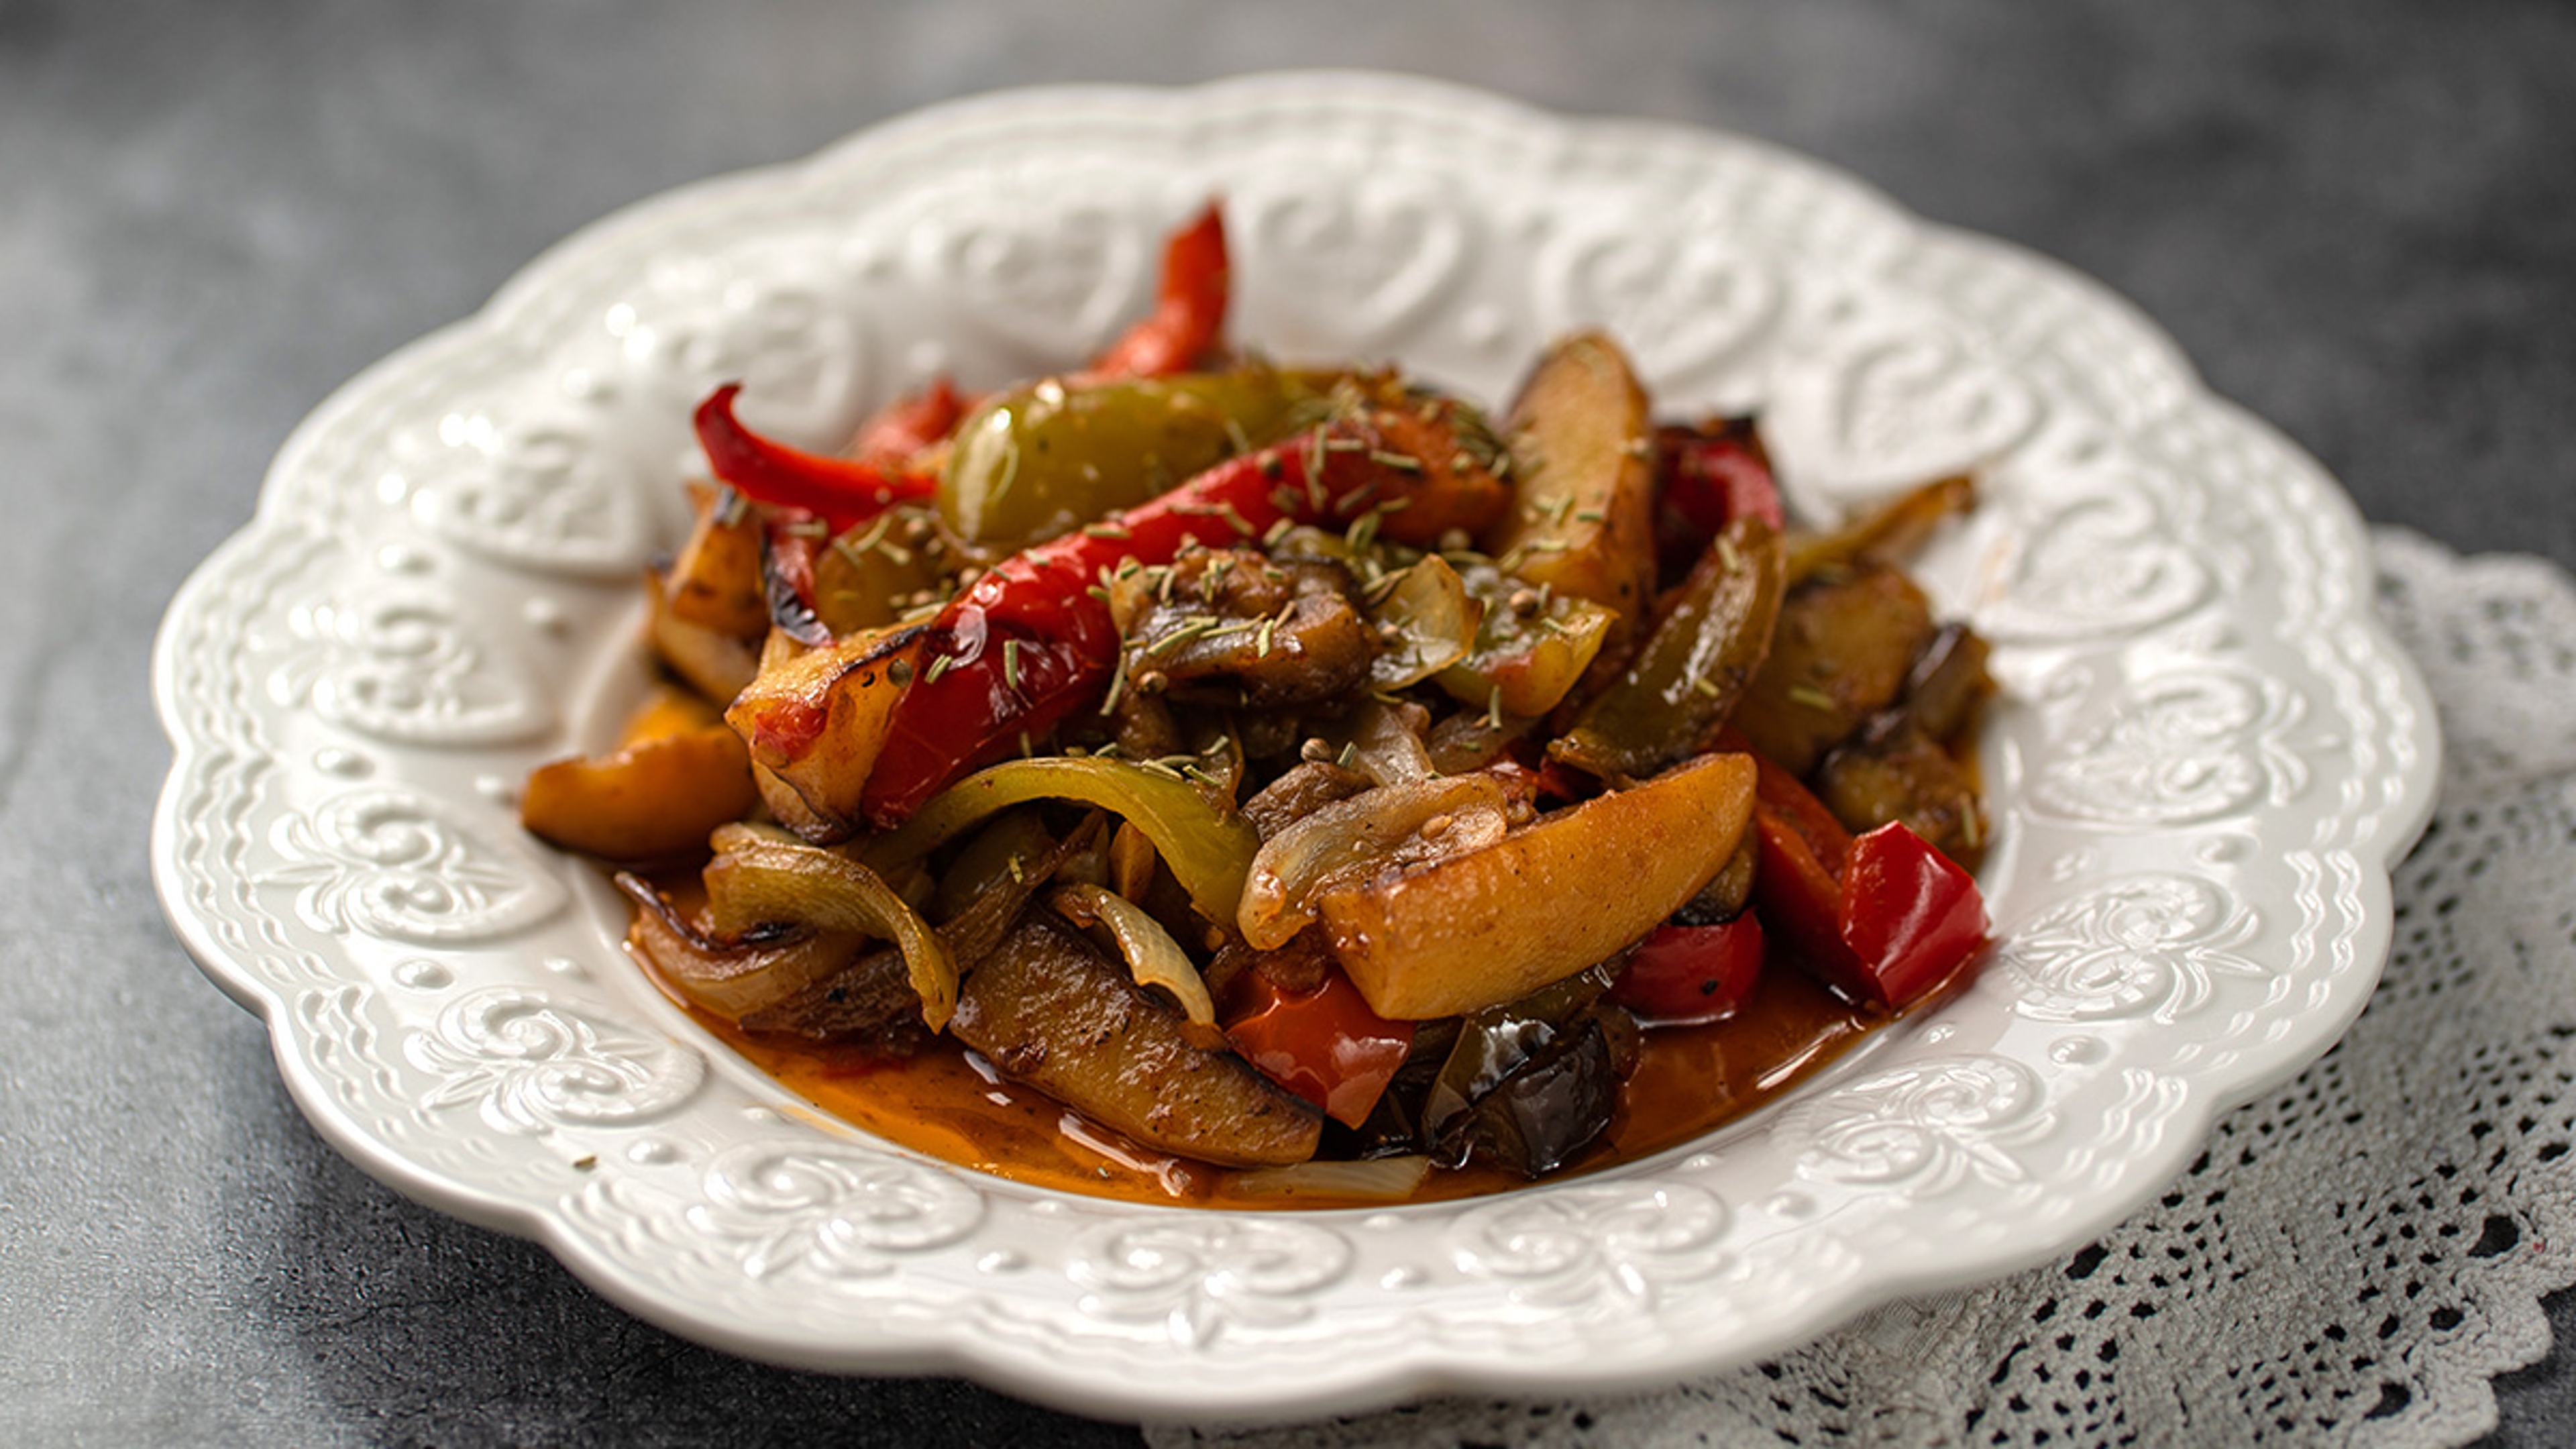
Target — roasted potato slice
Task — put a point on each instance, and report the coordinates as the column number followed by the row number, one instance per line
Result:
column 1583, row 523
column 816, row 721
column 715, row 582
column 1476, row 930
column 714, row 663
column 651, row 800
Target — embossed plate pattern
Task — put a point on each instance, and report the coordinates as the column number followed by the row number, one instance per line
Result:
column 2208, row 758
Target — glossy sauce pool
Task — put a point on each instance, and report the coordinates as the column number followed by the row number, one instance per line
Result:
column 949, row 1104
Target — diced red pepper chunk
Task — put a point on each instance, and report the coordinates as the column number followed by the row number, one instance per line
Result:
column 1686, row 975
column 1324, row 1045
column 1883, row 919
column 1911, row 915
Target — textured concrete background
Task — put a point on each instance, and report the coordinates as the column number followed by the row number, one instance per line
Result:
column 2357, row 217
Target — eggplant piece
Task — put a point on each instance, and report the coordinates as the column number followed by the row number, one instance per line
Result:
column 1269, row 734
column 1051, row 1010
column 1548, row 1112
column 1897, row 767
column 1948, row 682
column 1845, row 645
column 870, row 1001
column 1142, row 726
column 1527, row 1084
column 1895, row 774
column 1301, row 791
column 1229, row 626
column 979, row 928
column 1493, row 1044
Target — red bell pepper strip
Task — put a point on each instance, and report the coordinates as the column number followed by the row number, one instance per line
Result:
column 787, row 544
column 1031, row 641
column 841, row 491
column 909, row 424
column 1685, row 975
column 1794, row 811
column 1324, row 1045
column 1188, row 313
column 1707, row 478
column 1884, row 918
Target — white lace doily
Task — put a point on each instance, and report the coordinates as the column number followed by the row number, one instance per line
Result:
column 2356, row 1255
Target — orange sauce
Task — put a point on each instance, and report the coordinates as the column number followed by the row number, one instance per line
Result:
column 950, row 1104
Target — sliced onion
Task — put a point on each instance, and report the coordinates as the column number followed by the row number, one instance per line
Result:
column 1383, row 746
column 1206, row 845
column 730, row 979
column 1435, row 624
column 1378, row 1179
column 757, row 879
column 1153, row 957
column 1372, row 826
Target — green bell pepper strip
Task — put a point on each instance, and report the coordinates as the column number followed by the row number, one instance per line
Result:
column 1042, row 460
column 1208, row 847
column 1686, row 679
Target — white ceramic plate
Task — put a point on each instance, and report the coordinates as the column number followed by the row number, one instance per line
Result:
column 2208, row 759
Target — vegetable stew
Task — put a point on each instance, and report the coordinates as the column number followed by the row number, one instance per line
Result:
column 1191, row 779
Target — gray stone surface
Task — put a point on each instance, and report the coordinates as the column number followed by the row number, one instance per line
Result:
column 2358, row 218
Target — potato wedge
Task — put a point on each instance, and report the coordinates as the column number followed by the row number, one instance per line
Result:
column 714, row 582
column 816, row 721
column 651, row 800
column 1477, row 930
column 714, row 663
column 1582, row 443
column 1050, row 1009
